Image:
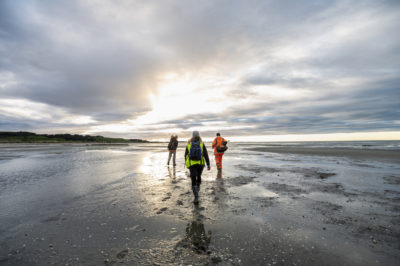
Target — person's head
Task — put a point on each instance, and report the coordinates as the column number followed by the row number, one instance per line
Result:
column 195, row 136
column 218, row 135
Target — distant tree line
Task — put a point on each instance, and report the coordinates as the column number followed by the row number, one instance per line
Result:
column 23, row 136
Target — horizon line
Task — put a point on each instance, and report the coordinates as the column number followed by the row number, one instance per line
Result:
column 353, row 136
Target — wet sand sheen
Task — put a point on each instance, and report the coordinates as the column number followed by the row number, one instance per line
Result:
column 132, row 209
column 380, row 155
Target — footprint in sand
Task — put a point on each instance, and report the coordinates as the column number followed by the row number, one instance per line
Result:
column 122, row 254
column 162, row 210
column 166, row 198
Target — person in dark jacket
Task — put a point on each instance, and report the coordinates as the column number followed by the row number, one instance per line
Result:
column 196, row 156
column 172, row 146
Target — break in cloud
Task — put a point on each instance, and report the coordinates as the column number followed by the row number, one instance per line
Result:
column 149, row 68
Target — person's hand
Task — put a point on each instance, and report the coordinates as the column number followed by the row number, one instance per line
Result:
column 208, row 168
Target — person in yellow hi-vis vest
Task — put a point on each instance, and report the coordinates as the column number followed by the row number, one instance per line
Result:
column 196, row 156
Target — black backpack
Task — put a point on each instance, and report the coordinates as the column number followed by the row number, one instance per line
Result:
column 195, row 151
column 222, row 148
column 173, row 144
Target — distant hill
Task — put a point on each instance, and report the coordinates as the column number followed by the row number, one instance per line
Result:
column 45, row 138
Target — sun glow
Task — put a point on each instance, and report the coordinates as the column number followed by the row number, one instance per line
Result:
column 179, row 96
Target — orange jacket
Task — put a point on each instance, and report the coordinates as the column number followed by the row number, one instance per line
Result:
column 217, row 142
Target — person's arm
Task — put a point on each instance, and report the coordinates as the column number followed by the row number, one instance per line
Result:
column 186, row 153
column 205, row 154
column 214, row 143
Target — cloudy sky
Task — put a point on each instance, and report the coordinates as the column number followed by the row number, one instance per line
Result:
column 252, row 70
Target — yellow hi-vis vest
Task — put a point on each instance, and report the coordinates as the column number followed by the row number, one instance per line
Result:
column 193, row 162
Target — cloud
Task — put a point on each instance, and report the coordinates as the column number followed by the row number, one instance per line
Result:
column 61, row 56
column 267, row 67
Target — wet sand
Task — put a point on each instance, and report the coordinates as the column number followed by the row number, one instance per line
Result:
column 379, row 155
column 123, row 205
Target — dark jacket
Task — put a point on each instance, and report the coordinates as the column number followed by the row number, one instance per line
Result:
column 205, row 154
column 173, row 145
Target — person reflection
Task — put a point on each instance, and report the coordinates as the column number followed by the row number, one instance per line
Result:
column 220, row 188
column 196, row 233
column 172, row 174
column 219, row 193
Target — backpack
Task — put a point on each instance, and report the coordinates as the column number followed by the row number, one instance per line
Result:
column 195, row 151
column 222, row 148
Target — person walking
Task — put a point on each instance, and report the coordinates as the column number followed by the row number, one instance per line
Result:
column 196, row 156
column 172, row 146
column 219, row 146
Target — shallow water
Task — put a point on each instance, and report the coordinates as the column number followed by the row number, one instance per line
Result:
column 95, row 204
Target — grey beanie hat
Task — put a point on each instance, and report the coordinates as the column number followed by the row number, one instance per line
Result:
column 196, row 133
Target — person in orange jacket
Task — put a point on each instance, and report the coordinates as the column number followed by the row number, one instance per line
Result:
column 218, row 143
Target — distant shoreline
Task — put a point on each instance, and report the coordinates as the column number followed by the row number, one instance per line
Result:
column 72, row 142
column 30, row 137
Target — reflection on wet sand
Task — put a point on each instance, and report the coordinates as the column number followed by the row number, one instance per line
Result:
column 136, row 211
column 172, row 174
column 219, row 193
column 220, row 188
column 196, row 237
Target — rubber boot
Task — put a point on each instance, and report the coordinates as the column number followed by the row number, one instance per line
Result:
column 196, row 195
column 198, row 192
column 219, row 175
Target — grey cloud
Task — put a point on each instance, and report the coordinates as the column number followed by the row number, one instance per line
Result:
column 95, row 72
column 375, row 107
column 19, row 124
column 7, row 124
column 103, row 59
column 233, row 31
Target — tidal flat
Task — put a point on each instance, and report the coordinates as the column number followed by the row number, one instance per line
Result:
column 276, row 204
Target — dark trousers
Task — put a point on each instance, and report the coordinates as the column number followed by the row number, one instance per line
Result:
column 195, row 173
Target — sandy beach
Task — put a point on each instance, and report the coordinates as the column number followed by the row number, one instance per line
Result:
column 66, row 204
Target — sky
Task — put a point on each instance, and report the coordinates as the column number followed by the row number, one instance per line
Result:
column 252, row 70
